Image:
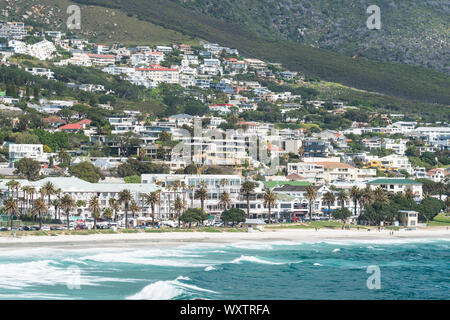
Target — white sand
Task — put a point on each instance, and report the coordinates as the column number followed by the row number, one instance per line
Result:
column 173, row 238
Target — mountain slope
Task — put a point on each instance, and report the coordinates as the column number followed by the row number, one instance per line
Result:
column 99, row 24
column 389, row 78
column 413, row 31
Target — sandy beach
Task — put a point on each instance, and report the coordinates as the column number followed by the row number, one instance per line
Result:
column 177, row 238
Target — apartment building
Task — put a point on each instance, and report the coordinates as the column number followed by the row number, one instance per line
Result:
column 31, row 151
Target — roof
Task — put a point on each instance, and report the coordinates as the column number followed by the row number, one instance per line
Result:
column 73, row 184
column 71, row 126
column 288, row 188
column 271, row 184
column 294, row 176
column 394, row 181
column 84, row 121
column 182, row 116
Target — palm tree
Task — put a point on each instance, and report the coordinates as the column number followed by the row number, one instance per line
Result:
column 270, row 200
column 12, row 208
column 26, row 190
column 58, row 193
column 152, row 199
column 134, row 207
column 355, row 194
column 115, row 206
column 201, row 193
column 178, row 207
column 39, row 206
column 380, row 195
column 15, row 185
column 329, row 198
column 225, row 200
column 366, row 197
column 342, row 197
column 80, row 204
column 191, row 188
column 49, row 191
column 247, row 189
column 311, row 196
column 440, row 188
column 67, row 204
column 125, row 198
column 55, row 204
column 94, row 208
column 107, row 213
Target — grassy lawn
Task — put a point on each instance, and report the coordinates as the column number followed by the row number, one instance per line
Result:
column 441, row 220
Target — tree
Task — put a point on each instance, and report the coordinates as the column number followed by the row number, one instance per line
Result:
column 329, row 199
column 86, row 171
column 125, row 198
column 311, row 196
column 49, row 189
column 430, row 207
column 39, row 206
column 193, row 215
column 201, row 193
column 134, row 207
column 342, row 214
column 12, row 208
column 28, row 168
column 179, row 207
column 247, row 189
column 270, row 200
column 94, row 207
column 152, row 199
column 366, row 197
column 233, row 215
column 342, row 197
column 107, row 213
column 115, row 206
column 67, row 204
column 225, row 200
column 380, row 195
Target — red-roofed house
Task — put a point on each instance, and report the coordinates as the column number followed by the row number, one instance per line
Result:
column 73, row 127
column 437, row 174
column 54, row 121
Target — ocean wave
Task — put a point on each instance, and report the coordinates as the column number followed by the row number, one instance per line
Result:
column 146, row 258
column 169, row 289
column 210, row 268
column 336, row 250
column 46, row 272
column 254, row 259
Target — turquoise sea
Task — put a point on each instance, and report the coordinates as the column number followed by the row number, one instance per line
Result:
column 246, row 270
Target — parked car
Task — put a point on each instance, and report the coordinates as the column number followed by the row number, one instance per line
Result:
column 4, row 229
column 35, row 228
column 45, row 228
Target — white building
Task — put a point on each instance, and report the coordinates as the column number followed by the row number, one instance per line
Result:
column 32, row 151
